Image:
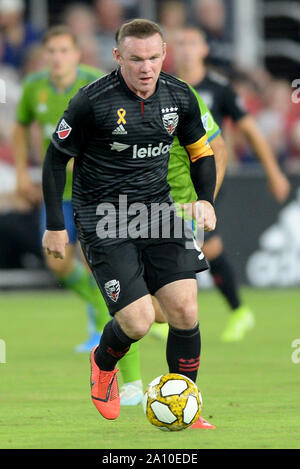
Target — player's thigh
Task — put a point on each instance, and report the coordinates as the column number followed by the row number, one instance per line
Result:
column 167, row 260
column 62, row 267
column 213, row 246
column 117, row 269
column 179, row 302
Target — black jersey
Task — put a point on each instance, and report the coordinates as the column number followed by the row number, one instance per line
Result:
column 120, row 142
column 220, row 98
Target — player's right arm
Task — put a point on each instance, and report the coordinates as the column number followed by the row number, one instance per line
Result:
column 25, row 187
column 71, row 135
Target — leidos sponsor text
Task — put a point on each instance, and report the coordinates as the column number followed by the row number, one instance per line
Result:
column 151, row 150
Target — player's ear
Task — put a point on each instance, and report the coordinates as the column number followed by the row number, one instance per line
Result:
column 117, row 55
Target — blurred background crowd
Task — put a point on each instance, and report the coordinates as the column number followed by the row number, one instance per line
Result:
column 254, row 43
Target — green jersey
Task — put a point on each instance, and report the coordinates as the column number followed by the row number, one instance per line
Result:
column 182, row 188
column 40, row 102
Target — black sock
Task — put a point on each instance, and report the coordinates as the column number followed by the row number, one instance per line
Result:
column 114, row 344
column 224, row 279
column 183, row 351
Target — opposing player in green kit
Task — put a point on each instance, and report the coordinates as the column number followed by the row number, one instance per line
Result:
column 44, row 97
column 182, row 188
column 183, row 192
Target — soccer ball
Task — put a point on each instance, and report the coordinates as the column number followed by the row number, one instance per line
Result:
column 172, row 402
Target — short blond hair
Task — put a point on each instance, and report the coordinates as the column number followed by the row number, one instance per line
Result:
column 139, row 28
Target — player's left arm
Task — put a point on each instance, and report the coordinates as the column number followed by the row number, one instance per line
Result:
column 278, row 182
column 215, row 140
column 192, row 136
column 204, row 176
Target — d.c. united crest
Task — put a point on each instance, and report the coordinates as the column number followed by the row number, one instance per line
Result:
column 112, row 289
column 170, row 119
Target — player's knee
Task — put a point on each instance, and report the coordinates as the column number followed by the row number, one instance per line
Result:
column 137, row 323
column 142, row 326
column 187, row 314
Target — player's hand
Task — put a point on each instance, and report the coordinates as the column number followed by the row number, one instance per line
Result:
column 203, row 212
column 54, row 243
column 279, row 186
column 28, row 190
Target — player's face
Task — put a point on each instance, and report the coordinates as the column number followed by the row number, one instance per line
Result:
column 62, row 56
column 141, row 62
column 191, row 48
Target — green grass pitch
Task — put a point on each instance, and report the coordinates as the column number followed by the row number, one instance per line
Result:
column 250, row 389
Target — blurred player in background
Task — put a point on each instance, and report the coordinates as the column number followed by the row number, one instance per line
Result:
column 191, row 51
column 44, row 97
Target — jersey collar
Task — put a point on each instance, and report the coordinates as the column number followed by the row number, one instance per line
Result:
column 132, row 94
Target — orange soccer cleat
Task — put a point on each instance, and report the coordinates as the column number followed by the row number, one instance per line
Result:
column 104, row 389
column 201, row 423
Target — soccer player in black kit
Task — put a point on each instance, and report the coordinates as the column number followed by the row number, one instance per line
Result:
column 119, row 130
column 222, row 101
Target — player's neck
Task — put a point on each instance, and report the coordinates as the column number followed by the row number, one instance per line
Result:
column 63, row 83
column 192, row 76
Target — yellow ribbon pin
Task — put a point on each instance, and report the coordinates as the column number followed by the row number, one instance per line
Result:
column 121, row 114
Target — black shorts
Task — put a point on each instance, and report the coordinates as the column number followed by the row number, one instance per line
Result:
column 132, row 268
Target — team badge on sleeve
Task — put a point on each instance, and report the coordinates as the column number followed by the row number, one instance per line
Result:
column 63, row 130
column 170, row 119
column 112, row 289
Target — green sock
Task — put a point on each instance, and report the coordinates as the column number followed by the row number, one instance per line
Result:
column 80, row 281
column 130, row 364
